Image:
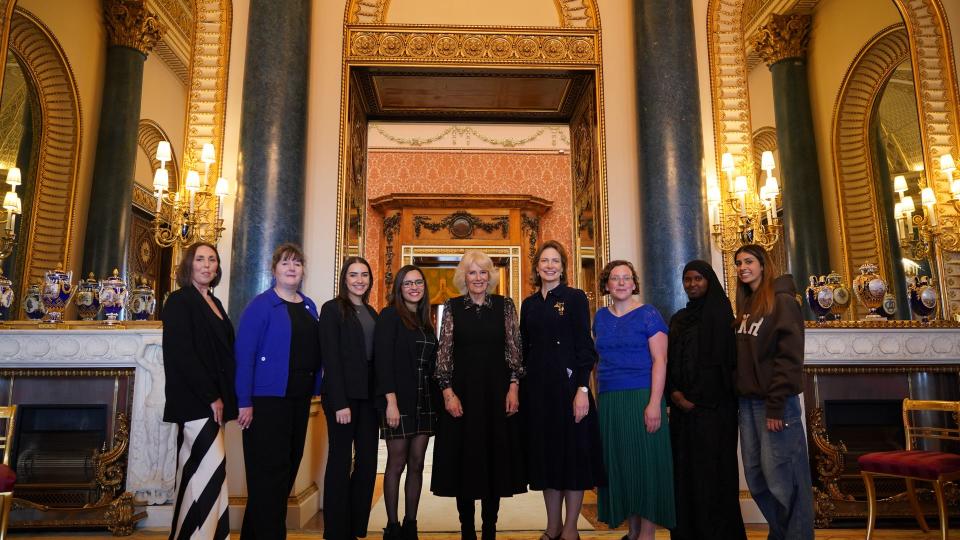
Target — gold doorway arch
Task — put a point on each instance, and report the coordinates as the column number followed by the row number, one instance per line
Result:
column 573, row 45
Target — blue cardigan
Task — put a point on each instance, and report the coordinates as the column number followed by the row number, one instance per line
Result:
column 263, row 348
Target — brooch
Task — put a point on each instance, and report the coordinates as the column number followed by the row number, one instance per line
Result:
column 559, row 307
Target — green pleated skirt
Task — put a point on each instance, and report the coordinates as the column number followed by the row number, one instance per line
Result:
column 639, row 464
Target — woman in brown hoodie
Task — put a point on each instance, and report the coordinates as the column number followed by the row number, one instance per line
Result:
column 769, row 374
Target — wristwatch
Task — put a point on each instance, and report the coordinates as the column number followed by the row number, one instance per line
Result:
column 583, row 389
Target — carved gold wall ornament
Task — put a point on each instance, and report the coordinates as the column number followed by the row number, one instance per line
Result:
column 396, row 44
column 571, row 13
column 783, row 37
column 530, row 225
column 391, row 226
column 130, row 24
column 461, row 224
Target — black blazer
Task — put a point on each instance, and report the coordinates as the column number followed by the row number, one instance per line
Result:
column 396, row 359
column 197, row 358
column 343, row 353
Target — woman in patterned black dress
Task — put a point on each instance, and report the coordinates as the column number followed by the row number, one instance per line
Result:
column 404, row 354
column 478, row 453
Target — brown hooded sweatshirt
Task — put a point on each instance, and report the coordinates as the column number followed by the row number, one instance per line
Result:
column 770, row 351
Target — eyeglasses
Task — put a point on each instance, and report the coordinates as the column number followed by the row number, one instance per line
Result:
column 621, row 279
column 411, row 284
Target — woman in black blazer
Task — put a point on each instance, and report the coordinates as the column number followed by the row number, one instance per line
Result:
column 346, row 342
column 405, row 350
column 200, row 397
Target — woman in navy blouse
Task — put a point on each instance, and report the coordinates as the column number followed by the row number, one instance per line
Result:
column 562, row 433
column 632, row 342
column 278, row 373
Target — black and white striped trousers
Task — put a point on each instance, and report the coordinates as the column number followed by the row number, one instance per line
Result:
column 201, row 510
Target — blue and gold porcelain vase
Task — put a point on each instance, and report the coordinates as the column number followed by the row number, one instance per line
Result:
column 923, row 298
column 56, row 293
column 820, row 297
column 841, row 295
column 143, row 301
column 113, row 296
column 871, row 289
column 6, row 296
column 88, row 298
column 33, row 303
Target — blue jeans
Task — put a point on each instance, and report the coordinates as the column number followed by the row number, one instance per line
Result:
column 777, row 469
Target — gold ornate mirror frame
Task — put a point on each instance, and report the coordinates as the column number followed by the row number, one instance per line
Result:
column 931, row 51
column 45, row 242
column 862, row 230
column 370, row 41
column 49, row 235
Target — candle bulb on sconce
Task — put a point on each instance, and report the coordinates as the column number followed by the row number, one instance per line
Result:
column 727, row 166
column 929, row 201
column 192, row 217
column 749, row 211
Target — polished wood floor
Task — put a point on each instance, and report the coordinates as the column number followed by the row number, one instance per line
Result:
column 755, row 533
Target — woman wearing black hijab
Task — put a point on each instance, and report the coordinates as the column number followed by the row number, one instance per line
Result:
column 702, row 358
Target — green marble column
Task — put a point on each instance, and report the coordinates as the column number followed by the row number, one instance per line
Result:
column 271, row 177
column 782, row 43
column 132, row 32
column 674, row 228
column 892, row 266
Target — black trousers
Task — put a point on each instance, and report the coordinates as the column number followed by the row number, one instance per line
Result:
column 272, row 450
column 351, row 471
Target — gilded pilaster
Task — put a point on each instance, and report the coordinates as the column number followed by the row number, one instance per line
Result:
column 785, row 36
column 130, row 24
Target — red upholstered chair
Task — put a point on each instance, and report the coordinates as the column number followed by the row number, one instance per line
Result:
column 913, row 465
column 7, row 477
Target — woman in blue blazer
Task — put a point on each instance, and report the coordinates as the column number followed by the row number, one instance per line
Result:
column 278, row 372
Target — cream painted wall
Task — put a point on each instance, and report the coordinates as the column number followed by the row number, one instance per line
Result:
column 164, row 100
column 488, row 12
column 620, row 112
column 760, row 81
column 78, row 26
column 834, row 43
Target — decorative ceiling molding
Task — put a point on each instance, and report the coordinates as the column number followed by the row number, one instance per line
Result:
column 175, row 47
column 206, row 101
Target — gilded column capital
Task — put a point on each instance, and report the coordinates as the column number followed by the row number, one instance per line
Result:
column 784, row 36
column 130, row 24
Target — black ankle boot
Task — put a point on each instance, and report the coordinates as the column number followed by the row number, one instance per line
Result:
column 392, row 531
column 488, row 531
column 409, row 529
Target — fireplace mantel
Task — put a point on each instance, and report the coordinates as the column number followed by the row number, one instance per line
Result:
column 882, row 346
column 151, row 461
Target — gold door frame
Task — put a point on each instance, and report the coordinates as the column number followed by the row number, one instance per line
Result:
column 369, row 42
column 515, row 288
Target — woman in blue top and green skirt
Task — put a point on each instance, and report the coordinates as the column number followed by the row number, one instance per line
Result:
column 631, row 339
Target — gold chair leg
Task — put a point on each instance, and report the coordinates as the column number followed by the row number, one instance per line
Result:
column 6, row 501
column 942, row 510
column 871, row 503
column 917, row 513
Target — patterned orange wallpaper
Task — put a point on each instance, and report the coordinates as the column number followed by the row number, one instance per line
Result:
column 541, row 175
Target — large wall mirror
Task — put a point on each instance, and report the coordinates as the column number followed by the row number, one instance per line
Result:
column 878, row 138
column 18, row 111
column 48, row 124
